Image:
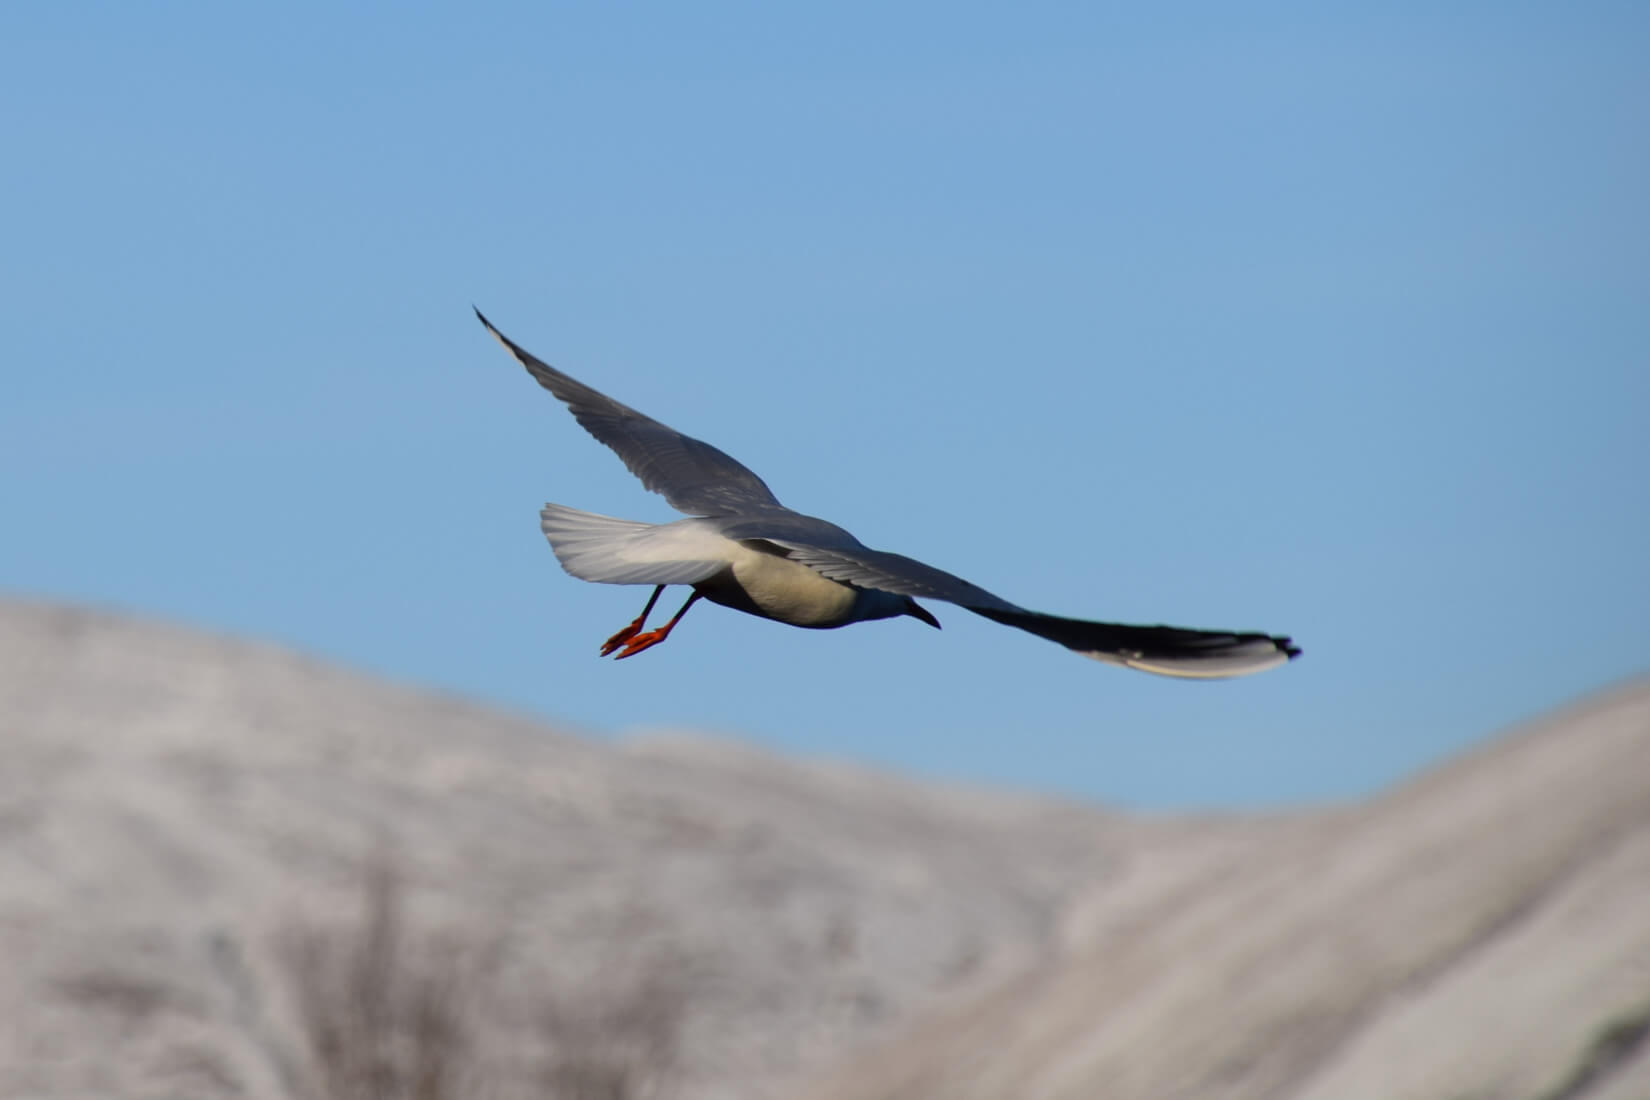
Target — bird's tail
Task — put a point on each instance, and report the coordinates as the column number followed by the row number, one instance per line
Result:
column 601, row 548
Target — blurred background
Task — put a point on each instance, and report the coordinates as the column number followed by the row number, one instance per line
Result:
column 1333, row 323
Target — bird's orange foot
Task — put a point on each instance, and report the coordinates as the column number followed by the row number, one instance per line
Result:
column 644, row 641
column 622, row 637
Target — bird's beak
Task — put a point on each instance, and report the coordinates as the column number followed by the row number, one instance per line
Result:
column 917, row 611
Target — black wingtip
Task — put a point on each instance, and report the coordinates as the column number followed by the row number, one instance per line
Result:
column 497, row 335
column 1290, row 649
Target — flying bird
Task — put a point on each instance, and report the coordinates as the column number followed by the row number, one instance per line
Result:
column 742, row 549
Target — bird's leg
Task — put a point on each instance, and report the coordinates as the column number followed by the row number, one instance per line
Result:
column 654, row 637
column 634, row 628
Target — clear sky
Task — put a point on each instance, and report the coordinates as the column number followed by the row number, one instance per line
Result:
column 1326, row 320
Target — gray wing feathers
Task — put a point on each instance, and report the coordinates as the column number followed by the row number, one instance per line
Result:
column 607, row 550
column 693, row 476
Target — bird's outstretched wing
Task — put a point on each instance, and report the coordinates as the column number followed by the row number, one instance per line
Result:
column 693, row 476
column 1165, row 650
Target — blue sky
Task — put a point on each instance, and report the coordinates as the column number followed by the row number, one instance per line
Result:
column 1333, row 322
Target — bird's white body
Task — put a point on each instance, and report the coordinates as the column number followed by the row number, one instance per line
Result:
column 779, row 588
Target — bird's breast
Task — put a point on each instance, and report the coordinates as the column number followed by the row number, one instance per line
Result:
column 774, row 587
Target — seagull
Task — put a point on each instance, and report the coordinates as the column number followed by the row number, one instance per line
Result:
column 741, row 548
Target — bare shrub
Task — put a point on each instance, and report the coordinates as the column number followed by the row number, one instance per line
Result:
column 617, row 1037
column 387, row 1013
column 385, row 1016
